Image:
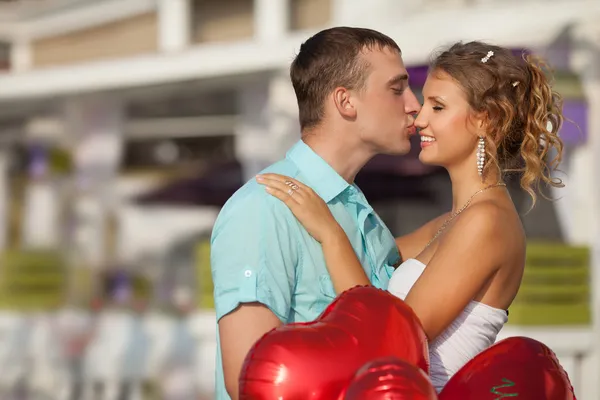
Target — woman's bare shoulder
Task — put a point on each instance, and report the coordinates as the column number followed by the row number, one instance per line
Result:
column 497, row 222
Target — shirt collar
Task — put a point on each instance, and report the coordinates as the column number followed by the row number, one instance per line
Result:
column 321, row 177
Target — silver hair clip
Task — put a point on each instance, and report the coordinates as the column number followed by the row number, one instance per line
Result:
column 515, row 83
column 487, row 57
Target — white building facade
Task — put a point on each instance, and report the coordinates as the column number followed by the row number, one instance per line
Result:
column 94, row 77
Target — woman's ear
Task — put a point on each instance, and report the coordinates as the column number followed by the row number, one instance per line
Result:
column 480, row 124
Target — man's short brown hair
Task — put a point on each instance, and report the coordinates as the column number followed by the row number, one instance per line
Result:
column 330, row 59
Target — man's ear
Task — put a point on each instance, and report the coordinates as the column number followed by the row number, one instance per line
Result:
column 344, row 102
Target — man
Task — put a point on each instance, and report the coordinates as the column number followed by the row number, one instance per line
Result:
column 354, row 102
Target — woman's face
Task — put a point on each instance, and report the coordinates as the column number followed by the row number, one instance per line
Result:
column 448, row 129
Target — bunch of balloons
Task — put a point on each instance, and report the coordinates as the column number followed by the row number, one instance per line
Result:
column 369, row 345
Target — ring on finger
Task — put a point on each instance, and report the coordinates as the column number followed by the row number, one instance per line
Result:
column 291, row 192
column 292, row 185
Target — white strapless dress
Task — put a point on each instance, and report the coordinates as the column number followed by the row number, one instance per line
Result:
column 474, row 330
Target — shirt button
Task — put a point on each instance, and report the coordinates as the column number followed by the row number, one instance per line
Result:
column 247, row 273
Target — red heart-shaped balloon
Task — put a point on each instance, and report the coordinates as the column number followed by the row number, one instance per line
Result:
column 390, row 378
column 316, row 360
column 515, row 367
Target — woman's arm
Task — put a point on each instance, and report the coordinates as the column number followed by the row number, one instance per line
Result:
column 467, row 256
column 314, row 214
column 342, row 263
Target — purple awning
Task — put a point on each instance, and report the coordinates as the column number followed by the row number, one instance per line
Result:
column 575, row 127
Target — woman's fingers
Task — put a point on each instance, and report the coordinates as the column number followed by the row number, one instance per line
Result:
column 275, row 177
column 283, row 190
column 310, row 210
column 293, row 183
column 283, row 196
column 301, row 185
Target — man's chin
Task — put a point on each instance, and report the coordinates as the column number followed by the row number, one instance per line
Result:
column 400, row 150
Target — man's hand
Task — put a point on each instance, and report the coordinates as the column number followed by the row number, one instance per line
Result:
column 238, row 331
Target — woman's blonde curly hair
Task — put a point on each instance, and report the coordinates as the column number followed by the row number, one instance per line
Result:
column 523, row 112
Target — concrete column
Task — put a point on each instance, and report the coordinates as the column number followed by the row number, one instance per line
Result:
column 174, row 24
column 41, row 215
column 271, row 19
column 586, row 60
column 4, row 197
column 373, row 14
column 268, row 124
column 95, row 126
column 20, row 56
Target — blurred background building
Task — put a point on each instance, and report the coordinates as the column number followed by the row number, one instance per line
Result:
column 126, row 124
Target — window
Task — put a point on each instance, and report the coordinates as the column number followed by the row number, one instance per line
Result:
column 308, row 14
column 4, row 56
column 219, row 21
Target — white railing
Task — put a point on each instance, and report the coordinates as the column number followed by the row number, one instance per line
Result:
column 40, row 353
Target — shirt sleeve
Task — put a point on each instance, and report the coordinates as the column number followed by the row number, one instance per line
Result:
column 254, row 255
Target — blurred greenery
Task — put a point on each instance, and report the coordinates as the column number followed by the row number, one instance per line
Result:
column 568, row 85
column 32, row 280
column 205, row 299
column 60, row 161
column 555, row 288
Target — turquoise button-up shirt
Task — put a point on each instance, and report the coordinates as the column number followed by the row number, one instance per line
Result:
column 261, row 253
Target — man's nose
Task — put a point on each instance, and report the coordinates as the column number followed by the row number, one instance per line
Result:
column 412, row 103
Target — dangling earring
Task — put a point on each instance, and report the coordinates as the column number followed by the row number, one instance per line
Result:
column 480, row 156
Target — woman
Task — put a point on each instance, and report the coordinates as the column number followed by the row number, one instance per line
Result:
column 485, row 111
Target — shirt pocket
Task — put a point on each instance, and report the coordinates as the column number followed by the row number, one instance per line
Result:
column 326, row 286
